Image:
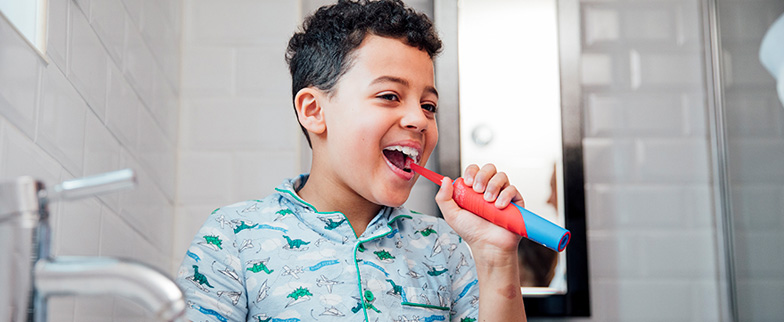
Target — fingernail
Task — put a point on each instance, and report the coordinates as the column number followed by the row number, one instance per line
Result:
column 479, row 186
column 488, row 196
column 468, row 180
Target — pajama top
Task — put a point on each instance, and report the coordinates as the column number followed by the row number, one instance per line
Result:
column 279, row 259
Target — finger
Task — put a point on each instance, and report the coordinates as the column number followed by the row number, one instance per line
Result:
column 483, row 177
column 444, row 198
column 508, row 195
column 470, row 173
column 497, row 183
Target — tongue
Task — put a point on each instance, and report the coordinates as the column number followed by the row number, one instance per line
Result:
column 397, row 158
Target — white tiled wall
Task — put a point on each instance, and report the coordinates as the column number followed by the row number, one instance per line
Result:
column 105, row 98
column 238, row 136
column 755, row 131
column 651, row 236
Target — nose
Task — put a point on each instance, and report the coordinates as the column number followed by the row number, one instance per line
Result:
column 414, row 118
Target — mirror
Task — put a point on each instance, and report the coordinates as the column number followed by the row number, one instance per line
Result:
column 508, row 76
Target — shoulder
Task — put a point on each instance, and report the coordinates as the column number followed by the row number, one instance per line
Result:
column 254, row 208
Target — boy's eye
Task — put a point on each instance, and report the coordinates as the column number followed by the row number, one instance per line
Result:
column 430, row 108
column 389, row 97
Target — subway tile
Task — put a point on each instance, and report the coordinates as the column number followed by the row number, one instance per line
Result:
column 633, row 113
column 679, row 253
column 171, row 60
column 696, row 111
column 207, row 71
column 757, row 207
column 204, row 177
column 60, row 309
column 122, row 110
column 238, row 124
column 57, row 32
column 61, row 121
column 600, row 24
column 670, row 70
column 138, row 65
column 23, row 158
column 19, row 79
column 84, row 7
column 134, row 9
column 615, row 255
column 262, row 71
column 751, row 114
column 240, row 22
column 101, row 154
column 707, row 306
column 154, row 30
column 747, row 20
column 116, row 235
column 688, row 29
column 109, row 21
column 650, row 207
column 608, row 160
column 597, row 199
column 747, row 70
column 642, row 300
column 673, row 160
column 702, row 215
column 658, row 115
column 88, row 63
column 751, row 160
column 759, row 299
column 758, row 252
column 647, row 23
column 256, row 174
column 93, row 308
column 79, row 228
column 145, row 208
column 156, row 153
column 166, row 106
column 596, row 69
column 126, row 310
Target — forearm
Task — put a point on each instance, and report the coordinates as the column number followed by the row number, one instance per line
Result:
column 499, row 286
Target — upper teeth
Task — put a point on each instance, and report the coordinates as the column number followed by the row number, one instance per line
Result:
column 408, row 151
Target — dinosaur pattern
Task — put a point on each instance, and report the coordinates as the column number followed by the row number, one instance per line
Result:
column 278, row 259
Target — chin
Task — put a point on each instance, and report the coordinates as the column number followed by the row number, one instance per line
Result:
column 396, row 201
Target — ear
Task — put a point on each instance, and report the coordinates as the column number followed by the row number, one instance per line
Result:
column 310, row 114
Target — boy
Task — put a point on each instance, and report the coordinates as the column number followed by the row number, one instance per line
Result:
column 336, row 243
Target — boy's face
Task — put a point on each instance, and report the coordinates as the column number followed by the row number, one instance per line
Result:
column 384, row 104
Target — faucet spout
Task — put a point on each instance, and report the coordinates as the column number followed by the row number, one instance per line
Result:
column 110, row 276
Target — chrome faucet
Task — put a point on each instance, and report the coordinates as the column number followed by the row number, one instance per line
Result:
column 30, row 275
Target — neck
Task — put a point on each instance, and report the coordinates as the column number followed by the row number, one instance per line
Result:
column 327, row 196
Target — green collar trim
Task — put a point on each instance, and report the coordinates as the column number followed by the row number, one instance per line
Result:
column 295, row 196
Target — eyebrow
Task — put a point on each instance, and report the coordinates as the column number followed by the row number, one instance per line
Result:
column 393, row 79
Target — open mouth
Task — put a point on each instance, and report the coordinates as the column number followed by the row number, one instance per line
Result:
column 401, row 156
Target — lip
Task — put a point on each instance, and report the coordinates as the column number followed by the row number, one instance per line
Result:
column 408, row 143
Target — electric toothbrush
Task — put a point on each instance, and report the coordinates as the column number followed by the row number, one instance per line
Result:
column 515, row 219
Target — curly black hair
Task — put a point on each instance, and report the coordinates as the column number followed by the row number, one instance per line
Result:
column 320, row 53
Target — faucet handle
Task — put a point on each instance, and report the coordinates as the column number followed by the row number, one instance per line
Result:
column 92, row 185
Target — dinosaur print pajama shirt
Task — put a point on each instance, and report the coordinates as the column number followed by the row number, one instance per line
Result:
column 278, row 259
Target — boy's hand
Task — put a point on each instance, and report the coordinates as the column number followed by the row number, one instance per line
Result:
column 480, row 234
column 494, row 248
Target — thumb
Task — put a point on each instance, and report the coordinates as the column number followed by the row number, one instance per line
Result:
column 444, row 198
